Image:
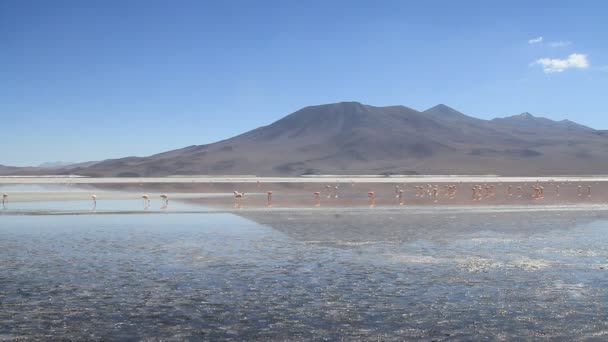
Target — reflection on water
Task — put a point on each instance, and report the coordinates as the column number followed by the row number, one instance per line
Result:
column 126, row 205
column 290, row 276
column 38, row 187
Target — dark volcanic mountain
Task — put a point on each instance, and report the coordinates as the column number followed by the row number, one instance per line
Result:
column 352, row 138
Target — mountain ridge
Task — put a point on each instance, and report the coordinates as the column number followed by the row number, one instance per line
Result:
column 355, row 138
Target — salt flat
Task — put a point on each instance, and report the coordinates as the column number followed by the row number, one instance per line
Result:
column 303, row 179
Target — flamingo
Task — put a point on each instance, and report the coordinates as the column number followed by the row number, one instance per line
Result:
column 372, row 198
column 165, row 200
column 269, row 199
column 94, row 198
column 401, row 197
column 589, row 191
column 4, row 199
column 146, row 201
column 578, row 191
column 452, row 191
column 536, row 190
column 238, row 196
column 317, row 198
column 557, row 190
column 541, row 190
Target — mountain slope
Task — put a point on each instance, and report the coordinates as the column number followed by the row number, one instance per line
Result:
column 353, row 138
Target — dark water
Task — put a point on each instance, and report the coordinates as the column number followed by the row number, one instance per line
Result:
column 377, row 275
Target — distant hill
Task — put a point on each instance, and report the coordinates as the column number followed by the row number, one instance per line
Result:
column 353, row 138
column 55, row 165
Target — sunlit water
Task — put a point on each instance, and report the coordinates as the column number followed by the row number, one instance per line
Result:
column 376, row 275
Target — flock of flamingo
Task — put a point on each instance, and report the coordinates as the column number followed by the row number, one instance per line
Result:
column 146, row 200
column 479, row 192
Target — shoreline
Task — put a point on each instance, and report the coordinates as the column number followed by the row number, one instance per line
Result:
column 301, row 179
column 330, row 194
column 414, row 210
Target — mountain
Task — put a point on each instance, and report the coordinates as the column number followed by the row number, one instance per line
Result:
column 353, row 138
column 14, row 170
column 527, row 121
column 55, row 165
column 444, row 113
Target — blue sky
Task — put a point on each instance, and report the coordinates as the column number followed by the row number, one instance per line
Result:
column 89, row 80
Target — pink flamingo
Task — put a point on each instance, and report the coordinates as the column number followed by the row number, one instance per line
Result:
column 269, row 198
column 372, row 198
column 317, row 198
column 4, row 199
column 238, row 197
column 452, row 191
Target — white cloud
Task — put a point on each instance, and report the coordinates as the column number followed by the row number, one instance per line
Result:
column 535, row 40
column 560, row 43
column 575, row 60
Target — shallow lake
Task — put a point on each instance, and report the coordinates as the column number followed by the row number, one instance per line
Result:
column 305, row 274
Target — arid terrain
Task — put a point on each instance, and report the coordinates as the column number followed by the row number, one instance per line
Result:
column 351, row 138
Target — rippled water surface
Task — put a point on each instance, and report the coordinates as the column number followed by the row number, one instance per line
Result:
column 297, row 275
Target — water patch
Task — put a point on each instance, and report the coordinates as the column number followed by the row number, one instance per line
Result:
column 223, row 277
column 528, row 264
column 478, row 265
